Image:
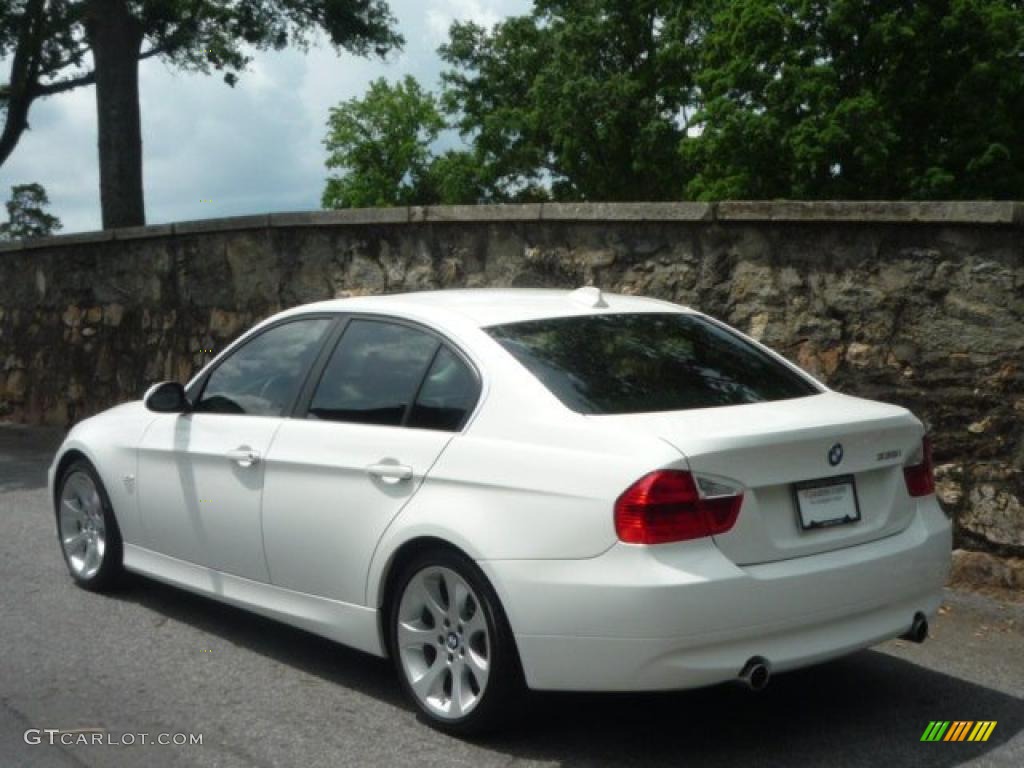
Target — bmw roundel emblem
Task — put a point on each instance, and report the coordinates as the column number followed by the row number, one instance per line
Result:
column 835, row 454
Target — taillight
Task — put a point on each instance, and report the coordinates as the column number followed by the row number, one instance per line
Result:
column 919, row 476
column 666, row 506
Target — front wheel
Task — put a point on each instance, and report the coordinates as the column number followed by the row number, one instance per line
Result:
column 452, row 645
column 89, row 537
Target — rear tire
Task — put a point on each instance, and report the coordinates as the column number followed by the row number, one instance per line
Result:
column 87, row 531
column 452, row 645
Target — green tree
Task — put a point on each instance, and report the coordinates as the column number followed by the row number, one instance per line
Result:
column 861, row 99
column 50, row 44
column 26, row 218
column 380, row 144
column 453, row 178
column 587, row 97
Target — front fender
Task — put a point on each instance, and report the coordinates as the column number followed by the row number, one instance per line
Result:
column 109, row 441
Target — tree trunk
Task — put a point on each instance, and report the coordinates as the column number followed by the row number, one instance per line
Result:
column 115, row 37
column 24, row 76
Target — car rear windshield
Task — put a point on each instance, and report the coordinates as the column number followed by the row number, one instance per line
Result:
column 636, row 363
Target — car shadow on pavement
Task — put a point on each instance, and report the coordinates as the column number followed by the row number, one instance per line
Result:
column 297, row 648
column 868, row 709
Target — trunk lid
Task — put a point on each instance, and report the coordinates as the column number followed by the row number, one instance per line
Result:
column 767, row 447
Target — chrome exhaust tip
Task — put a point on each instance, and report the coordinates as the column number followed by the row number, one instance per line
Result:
column 755, row 674
column 918, row 631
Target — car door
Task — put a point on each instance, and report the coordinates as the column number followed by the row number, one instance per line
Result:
column 388, row 401
column 200, row 474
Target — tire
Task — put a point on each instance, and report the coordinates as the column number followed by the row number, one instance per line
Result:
column 87, row 530
column 464, row 678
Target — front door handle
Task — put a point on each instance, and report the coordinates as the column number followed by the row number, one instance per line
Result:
column 390, row 473
column 244, row 456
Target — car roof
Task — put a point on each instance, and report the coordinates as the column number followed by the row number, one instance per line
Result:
column 495, row 306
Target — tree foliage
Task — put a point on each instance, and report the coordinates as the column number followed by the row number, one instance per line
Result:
column 380, row 144
column 381, row 147
column 26, row 218
column 861, row 99
column 453, row 178
column 49, row 45
column 713, row 99
column 58, row 45
column 588, row 97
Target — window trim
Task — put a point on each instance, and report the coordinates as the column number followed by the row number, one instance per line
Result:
column 197, row 387
column 419, row 387
column 301, row 409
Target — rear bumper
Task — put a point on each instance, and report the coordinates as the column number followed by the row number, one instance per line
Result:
column 682, row 616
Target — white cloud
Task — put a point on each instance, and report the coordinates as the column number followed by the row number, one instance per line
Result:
column 250, row 149
column 441, row 14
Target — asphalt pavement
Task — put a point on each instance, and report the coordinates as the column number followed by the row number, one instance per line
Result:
column 155, row 660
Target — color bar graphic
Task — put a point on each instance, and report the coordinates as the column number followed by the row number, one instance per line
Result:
column 935, row 730
column 958, row 730
column 982, row 730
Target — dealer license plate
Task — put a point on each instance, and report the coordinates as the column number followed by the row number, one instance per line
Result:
column 827, row 502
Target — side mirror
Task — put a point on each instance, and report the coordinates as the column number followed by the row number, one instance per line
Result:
column 167, row 397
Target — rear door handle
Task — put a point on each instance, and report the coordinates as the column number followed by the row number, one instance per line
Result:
column 390, row 473
column 244, row 456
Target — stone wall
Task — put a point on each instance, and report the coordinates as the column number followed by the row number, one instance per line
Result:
column 920, row 304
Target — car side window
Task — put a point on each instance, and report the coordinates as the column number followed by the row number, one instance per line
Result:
column 263, row 376
column 447, row 396
column 373, row 374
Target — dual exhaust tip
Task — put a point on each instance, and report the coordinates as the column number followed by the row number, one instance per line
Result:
column 757, row 671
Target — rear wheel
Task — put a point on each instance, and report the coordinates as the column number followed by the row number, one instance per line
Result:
column 452, row 645
column 89, row 537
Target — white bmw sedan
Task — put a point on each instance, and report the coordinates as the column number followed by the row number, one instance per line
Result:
column 512, row 489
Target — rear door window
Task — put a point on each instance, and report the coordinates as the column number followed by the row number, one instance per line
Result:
column 373, row 374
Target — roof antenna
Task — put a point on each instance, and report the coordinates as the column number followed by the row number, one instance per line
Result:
column 589, row 296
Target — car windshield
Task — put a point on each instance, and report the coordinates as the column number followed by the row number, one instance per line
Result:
column 644, row 362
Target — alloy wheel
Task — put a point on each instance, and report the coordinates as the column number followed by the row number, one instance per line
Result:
column 83, row 533
column 443, row 642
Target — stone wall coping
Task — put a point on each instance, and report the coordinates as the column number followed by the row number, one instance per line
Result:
column 875, row 212
column 959, row 213
column 76, row 238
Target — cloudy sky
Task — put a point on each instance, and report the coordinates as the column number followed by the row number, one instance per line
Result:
column 252, row 149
